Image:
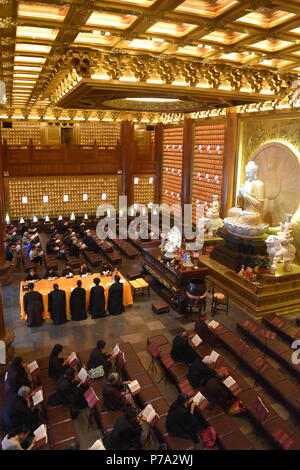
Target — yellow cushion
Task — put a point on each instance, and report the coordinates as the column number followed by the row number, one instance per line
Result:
column 219, row 297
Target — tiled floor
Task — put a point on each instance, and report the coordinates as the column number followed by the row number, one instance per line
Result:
column 137, row 324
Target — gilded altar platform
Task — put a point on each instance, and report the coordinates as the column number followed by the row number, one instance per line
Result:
column 279, row 293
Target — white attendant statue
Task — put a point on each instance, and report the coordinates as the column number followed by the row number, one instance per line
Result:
column 173, row 240
column 246, row 219
column 213, row 221
column 280, row 247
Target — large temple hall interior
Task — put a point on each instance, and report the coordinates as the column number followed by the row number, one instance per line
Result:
column 149, row 225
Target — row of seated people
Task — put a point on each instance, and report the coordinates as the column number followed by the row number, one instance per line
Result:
column 34, row 306
column 260, row 413
column 68, row 271
column 20, row 418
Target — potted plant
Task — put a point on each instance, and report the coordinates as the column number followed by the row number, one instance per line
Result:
column 262, row 264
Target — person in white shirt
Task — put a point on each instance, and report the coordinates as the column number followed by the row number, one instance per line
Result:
column 14, row 439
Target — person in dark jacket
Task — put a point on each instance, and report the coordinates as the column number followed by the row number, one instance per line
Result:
column 32, row 275
column 84, row 269
column 99, row 358
column 113, row 393
column 203, row 331
column 200, row 374
column 57, row 365
column 97, row 300
column 57, row 305
column 50, row 273
column 50, row 246
column 16, row 376
column 181, row 421
column 69, row 393
column 78, row 303
column 20, row 411
column 126, row 434
column 115, row 304
column 74, row 249
column 181, row 349
column 68, row 271
column 33, row 306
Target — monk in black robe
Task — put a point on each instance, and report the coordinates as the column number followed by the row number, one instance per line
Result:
column 57, row 305
column 181, row 421
column 126, row 433
column 115, row 297
column 16, row 376
column 99, row 358
column 69, row 394
column 97, row 300
column 203, row 331
column 201, row 375
column 33, row 306
column 181, row 350
column 57, row 366
column 78, row 303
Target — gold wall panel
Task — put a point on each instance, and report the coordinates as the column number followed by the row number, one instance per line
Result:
column 104, row 133
column 144, row 192
column 55, row 188
column 22, row 132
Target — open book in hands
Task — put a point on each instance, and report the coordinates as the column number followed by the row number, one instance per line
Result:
column 213, row 324
column 116, row 351
column 213, row 358
column 83, row 375
column 200, row 401
column 41, row 436
column 232, row 385
column 37, row 396
column 196, row 340
column 33, row 367
column 149, row 415
column 134, row 387
column 72, row 359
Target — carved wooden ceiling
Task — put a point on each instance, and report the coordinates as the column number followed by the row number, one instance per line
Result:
column 132, row 54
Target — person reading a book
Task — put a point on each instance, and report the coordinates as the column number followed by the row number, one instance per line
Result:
column 17, row 439
column 84, row 269
column 181, row 349
column 202, row 330
column 68, row 271
column 57, row 365
column 127, row 432
column 181, row 420
column 69, row 393
column 20, row 411
column 50, row 274
column 32, row 275
column 115, row 396
column 99, row 358
column 17, row 376
column 201, row 375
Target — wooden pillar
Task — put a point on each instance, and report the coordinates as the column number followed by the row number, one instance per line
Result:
column 230, row 161
column 127, row 159
column 5, row 334
column 158, row 154
column 187, row 161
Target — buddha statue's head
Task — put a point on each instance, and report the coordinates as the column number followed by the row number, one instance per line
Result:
column 251, row 170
